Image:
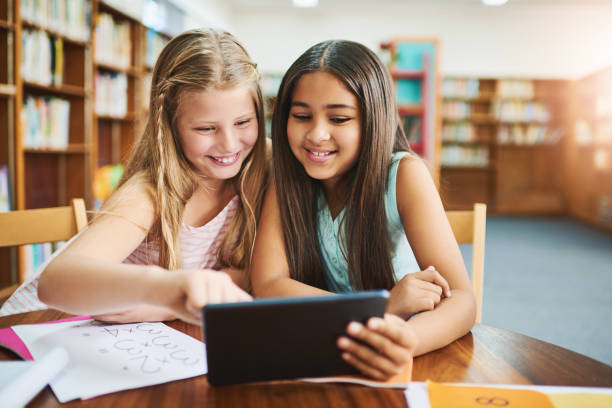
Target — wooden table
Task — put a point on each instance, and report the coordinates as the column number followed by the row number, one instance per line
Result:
column 486, row 355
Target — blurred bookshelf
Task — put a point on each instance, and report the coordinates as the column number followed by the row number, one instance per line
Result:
column 74, row 88
column 413, row 65
column 501, row 142
column 588, row 152
column 10, row 99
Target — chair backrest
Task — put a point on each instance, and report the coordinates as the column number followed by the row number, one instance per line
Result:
column 42, row 225
column 469, row 228
column 54, row 224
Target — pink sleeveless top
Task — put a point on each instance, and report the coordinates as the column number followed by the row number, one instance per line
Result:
column 199, row 246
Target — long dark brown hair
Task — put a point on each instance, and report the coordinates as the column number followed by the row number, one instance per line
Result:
column 363, row 236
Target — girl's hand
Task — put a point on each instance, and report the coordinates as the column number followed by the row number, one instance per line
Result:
column 391, row 346
column 143, row 313
column 188, row 291
column 418, row 292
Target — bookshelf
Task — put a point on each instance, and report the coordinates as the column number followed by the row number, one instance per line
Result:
column 117, row 71
column 588, row 151
column 413, row 65
column 53, row 142
column 125, row 52
column 501, row 141
column 10, row 98
column 57, row 126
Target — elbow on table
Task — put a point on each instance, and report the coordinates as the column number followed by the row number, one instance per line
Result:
column 471, row 312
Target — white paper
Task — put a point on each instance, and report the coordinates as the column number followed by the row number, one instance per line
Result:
column 20, row 381
column 108, row 358
column 417, row 396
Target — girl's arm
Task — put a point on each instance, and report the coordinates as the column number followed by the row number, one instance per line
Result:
column 269, row 268
column 88, row 277
column 433, row 243
column 393, row 339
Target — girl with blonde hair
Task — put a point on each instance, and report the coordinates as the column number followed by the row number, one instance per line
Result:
column 179, row 230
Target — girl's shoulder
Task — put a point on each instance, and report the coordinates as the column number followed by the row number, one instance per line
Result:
column 414, row 181
column 134, row 201
column 411, row 170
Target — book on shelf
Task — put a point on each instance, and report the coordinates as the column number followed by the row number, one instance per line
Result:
column 520, row 111
column 111, row 93
column 155, row 44
column 5, row 201
column 70, row 18
column 35, row 255
column 515, row 88
column 456, row 110
column 460, row 88
column 532, row 134
column 113, row 43
column 458, row 132
column 58, row 61
column 45, row 122
column 42, row 59
column 464, row 156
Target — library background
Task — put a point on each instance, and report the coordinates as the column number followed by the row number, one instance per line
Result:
column 75, row 78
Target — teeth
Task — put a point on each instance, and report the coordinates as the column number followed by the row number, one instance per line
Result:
column 225, row 159
column 321, row 153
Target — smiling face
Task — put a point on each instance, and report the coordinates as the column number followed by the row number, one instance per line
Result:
column 217, row 130
column 324, row 127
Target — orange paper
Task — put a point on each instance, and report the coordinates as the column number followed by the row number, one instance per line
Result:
column 581, row 400
column 444, row 396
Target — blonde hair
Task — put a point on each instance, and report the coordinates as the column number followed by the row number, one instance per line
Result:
column 202, row 60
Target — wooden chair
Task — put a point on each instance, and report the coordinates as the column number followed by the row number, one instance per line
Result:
column 24, row 227
column 469, row 228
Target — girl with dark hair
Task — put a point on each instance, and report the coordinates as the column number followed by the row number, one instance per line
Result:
column 352, row 208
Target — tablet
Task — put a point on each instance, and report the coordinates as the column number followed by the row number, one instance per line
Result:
column 286, row 338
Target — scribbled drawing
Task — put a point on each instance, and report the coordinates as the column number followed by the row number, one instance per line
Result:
column 144, row 367
column 129, row 330
column 145, row 327
column 128, row 346
column 103, row 351
column 112, row 332
column 166, row 344
column 182, row 356
column 163, row 360
column 146, row 344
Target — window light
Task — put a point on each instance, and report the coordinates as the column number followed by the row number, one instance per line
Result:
column 494, row 2
column 305, row 3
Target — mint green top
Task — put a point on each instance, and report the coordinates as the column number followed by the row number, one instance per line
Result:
column 334, row 263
